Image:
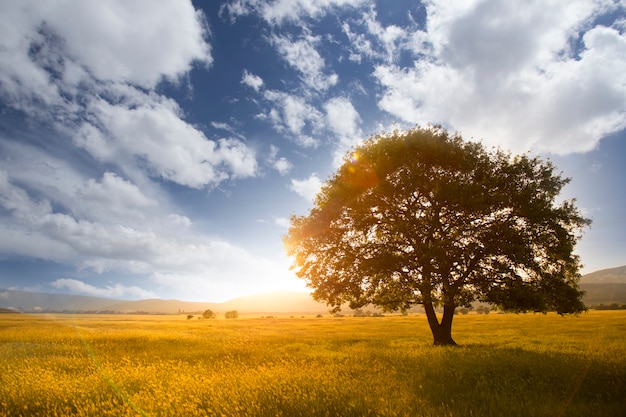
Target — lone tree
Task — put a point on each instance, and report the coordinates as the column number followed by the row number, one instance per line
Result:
column 233, row 314
column 424, row 217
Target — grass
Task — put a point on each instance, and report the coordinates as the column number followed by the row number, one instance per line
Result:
column 508, row 365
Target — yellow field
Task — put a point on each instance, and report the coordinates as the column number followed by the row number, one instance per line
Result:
column 508, row 365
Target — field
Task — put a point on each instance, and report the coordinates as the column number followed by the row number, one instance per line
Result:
column 508, row 365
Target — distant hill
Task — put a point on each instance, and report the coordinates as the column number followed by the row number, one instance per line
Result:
column 160, row 306
column 606, row 286
column 32, row 301
column 276, row 302
column 273, row 302
column 596, row 294
column 606, row 276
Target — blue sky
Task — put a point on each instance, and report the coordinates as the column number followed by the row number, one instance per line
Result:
column 157, row 149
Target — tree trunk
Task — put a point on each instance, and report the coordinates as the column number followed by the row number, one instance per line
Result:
column 442, row 332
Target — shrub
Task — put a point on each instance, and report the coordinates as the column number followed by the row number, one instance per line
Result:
column 361, row 313
column 483, row 309
column 233, row 314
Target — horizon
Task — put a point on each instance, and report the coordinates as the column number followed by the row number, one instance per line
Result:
column 259, row 294
column 158, row 152
column 267, row 293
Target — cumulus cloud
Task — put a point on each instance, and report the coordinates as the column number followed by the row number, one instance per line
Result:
column 303, row 56
column 113, row 40
column 97, row 75
column 294, row 116
column 110, row 291
column 512, row 74
column 125, row 240
column 343, row 120
column 370, row 39
column 251, row 80
column 279, row 11
column 94, row 82
column 307, row 188
column 171, row 148
column 113, row 197
column 283, row 166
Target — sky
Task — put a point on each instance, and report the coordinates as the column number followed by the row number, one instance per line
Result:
column 156, row 149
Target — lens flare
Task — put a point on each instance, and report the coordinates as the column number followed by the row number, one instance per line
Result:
column 360, row 171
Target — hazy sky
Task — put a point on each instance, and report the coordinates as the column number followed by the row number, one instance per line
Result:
column 157, row 148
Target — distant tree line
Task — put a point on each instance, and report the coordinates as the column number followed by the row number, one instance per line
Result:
column 612, row 306
column 210, row 314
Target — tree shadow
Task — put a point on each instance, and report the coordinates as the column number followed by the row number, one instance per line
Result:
column 486, row 379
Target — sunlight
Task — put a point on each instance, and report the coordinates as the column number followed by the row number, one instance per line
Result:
column 361, row 172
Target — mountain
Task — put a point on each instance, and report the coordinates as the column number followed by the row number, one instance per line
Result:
column 273, row 302
column 276, row 302
column 606, row 276
column 607, row 286
column 607, row 294
column 32, row 301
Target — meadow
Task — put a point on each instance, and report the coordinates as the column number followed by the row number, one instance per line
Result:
column 122, row 365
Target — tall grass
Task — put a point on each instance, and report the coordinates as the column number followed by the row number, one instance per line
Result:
column 508, row 365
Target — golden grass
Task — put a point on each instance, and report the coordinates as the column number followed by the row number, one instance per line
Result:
column 508, row 365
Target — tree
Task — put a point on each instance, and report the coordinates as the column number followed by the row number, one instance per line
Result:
column 424, row 217
column 208, row 314
column 233, row 314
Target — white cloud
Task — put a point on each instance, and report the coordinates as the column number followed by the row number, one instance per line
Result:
column 94, row 79
column 155, row 243
column 360, row 44
column 110, row 291
column 508, row 73
column 171, row 148
column 72, row 219
column 222, row 126
column 240, row 159
column 16, row 200
column 342, row 117
column 279, row 11
column 304, row 57
column 376, row 40
column 114, row 40
column 251, row 80
column 113, row 197
column 87, row 69
column 283, row 166
column 307, row 188
column 343, row 120
column 293, row 115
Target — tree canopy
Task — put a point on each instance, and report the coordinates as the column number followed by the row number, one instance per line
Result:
column 424, row 217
